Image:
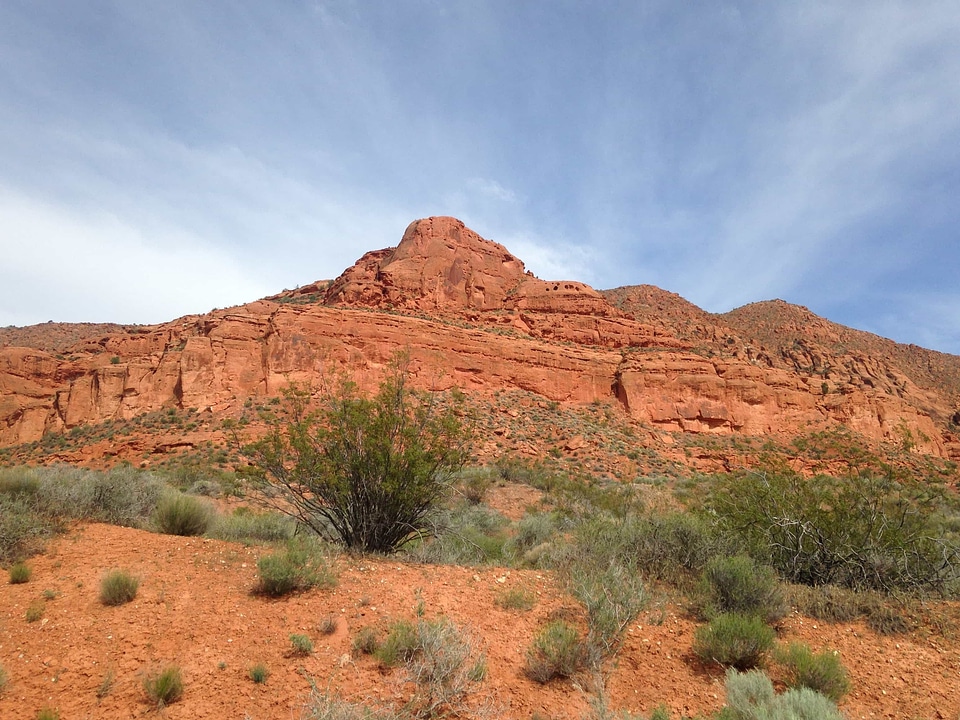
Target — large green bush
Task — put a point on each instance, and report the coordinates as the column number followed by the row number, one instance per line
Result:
column 869, row 529
column 366, row 472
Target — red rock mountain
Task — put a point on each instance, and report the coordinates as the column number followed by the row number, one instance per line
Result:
column 471, row 316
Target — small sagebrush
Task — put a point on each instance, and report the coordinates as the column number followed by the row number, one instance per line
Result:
column 733, row 640
column 4, row 679
column 35, row 610
column 20, row 573
column 516, row 599
column 48, row 714
column 556, row 651
column 400, row 644
column 297, row 567
column 750, row 696
column 328, row 625
column 183, row 515
column 118, row 587
column 165, row 686
column 259, row 673
column 822, row 672
column 301, row 645
column 366, row 642
column 737, row 584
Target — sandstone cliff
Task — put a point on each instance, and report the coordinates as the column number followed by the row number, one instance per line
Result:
column 471, row 316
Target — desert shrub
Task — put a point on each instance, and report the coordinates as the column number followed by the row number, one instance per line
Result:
column 121, row 496
column 474, row 484
column 836, row 604
column 750, row 696
column 827, row 602
column 259, row 673
column 733, row 640
column 325, row 706
column 4, row 679
column 299, row 566
column 532, row 538
column 22, row 528
column 870, row 529
column 365, row 472
column 328, row 625
column 301, row 645
column 48, row 714
column 822, row 672
column 118, row 587
column 556, row 651
column 184, row 515
column 674, row 545
column 366, row 641
column 445, row 666
column 164, row 686
column 245, row 526
column 20, row 573
column 35, row 610
column 400, row 644
column 737, row 584
column 19, row 482
column 599, row 568
column 464, row 535
column 516, row 599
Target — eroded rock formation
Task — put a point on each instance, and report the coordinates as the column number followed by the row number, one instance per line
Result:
column 471, row 316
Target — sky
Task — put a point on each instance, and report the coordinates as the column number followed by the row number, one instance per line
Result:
column 166, row 157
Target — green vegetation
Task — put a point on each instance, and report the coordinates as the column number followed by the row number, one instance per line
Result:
column 873, row 528
column 35, row 610
column 259, row 673
column 4, row 679
column 183, row 515
column 366, row 472
column 48, row 714
column 300, row 565
column 301, row 645
column 750, row 696
column 734, row 640
column 366, row 642
column 738, row 585
column 516, row 599
column 118, row 587
column 20, row 573
column 822, row 672
column 556, row 652
column 164, row 686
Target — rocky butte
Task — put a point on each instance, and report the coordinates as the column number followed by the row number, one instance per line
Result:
column 470, row 316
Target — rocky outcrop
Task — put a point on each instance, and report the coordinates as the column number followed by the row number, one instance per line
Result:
column 471, row 316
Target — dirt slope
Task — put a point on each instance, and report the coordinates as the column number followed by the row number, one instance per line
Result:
column 194, row 608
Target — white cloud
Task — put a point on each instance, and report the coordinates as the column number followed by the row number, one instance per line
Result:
column 78, row 266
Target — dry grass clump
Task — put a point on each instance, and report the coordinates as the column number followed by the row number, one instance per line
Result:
column 118, row 587
column 164, row 686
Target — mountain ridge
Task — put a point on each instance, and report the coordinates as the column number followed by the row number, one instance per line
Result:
column 472, row 317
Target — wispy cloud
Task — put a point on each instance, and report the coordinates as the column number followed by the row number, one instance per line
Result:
column 732, row 154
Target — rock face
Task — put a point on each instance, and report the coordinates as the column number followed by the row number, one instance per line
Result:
column 471, row 316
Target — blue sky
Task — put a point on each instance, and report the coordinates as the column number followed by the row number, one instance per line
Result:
column 164, row 157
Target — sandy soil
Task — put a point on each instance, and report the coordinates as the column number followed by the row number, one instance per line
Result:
column 195, row 608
